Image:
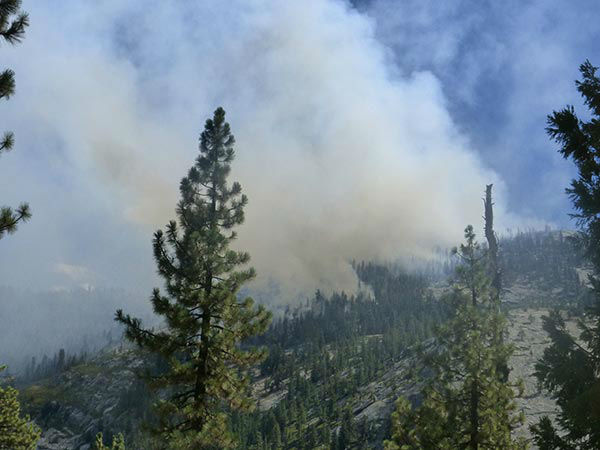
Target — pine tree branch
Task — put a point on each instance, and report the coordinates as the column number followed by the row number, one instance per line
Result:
column 10, row 220
column 7, row 84
column 15, row 32
column 7, row 142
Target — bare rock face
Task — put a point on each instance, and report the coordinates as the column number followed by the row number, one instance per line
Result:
column 530, row 340
column 525, row 332
column 86, row 399
column 57, row 440
column 377, row 399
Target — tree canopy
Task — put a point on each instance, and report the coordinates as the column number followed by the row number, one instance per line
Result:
column 570, row 367
column 467, row 403
column 206, row 320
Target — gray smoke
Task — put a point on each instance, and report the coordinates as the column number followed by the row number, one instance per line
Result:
column 342, row 157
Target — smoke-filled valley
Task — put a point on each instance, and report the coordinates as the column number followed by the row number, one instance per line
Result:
column 328, row 224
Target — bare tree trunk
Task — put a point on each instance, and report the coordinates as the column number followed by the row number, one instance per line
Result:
column 492, row 240
column 494, row 269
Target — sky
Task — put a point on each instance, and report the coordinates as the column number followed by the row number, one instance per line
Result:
column 364, row 129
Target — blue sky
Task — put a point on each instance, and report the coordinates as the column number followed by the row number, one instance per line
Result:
column 363, row 131
column 504, row 66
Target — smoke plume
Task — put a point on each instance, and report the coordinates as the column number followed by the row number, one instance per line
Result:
column 341, row 154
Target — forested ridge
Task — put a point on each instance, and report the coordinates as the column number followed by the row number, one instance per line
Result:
column 312, row 388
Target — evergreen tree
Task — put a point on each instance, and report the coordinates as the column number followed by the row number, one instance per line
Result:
column 312, row 438
column 570, row 367
column 118, row 443
column 348, row 430
column 12, row 29
column 546, row 437
column 334, row 441
column 276, row 437
column 258, row 441
column 466, row 403
column 16, row 432
column 325, row 434
column 205, row 320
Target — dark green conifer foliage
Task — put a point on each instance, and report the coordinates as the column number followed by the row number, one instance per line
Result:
column 12, row 29
column 205, row 321
column 546, row 437
column 276, row 437
column 570, row 368
column 348, row 431
column 466, row 403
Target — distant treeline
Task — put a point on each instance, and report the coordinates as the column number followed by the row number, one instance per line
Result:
column 34, row 324
column 323, row 351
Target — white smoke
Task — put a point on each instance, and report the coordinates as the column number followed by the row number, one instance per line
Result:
column 342, row 157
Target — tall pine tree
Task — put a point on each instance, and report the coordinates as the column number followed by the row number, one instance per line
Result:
column 466, row 403
column 570, row 367
column 205, row 321
column 12, row 29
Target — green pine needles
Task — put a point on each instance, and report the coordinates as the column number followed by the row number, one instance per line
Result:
column 205, row 321
column 16, row 431
column 467, row 403
column 13, row 22
column 570, row 367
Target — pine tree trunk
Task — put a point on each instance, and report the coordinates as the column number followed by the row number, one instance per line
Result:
column 494, row 270
column 474, row 410
column 202, row 372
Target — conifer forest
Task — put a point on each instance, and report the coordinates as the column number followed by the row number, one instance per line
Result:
column 320, row 224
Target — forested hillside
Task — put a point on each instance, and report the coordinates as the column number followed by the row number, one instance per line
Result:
column 335, row 364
